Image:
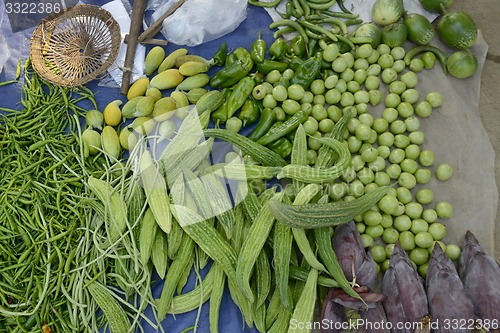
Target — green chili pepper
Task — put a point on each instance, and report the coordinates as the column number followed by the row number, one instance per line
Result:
column 291, row 136
column 230, row 58
column 239, row 95
column 275, row 125
column 264, row 4
column 318, row 29
column 295, row 63
column 277, row 50
column 326, row 73
column 342, row 7
column 30, row 322
column 288, row 10
column 249, row 112
column 312, row 47
column 289, row 125
column 288, row 23
column 307, row 72
column 219, row 58
column 258, row 77
column 304, row 5
column 353, row 21
column 297, row 46
column 325, row 65
column 235, row 71
column 282, row 147
column 18, row 69
column 244, row 56
column 266, row 120
column 297, row 13
column 282, row 82
column 268, row 65
column 343, row 47
column 258, row 49
column 219, row 116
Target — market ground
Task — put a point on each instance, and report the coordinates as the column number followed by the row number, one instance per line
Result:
column 486, row 15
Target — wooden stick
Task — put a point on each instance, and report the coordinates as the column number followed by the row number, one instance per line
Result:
column 156, row 26
column 151, row 41
column 138, row 10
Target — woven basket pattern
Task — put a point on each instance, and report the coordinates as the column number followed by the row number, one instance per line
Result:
column 75, row 46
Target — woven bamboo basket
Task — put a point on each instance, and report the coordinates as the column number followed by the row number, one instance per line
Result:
column 75, row 46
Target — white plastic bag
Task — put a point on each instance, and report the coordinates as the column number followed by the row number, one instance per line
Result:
column 200, row 21
column 120, row 13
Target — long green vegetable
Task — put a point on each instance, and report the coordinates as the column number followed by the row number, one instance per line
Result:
column 40, row 179
column 53, row 229
column 312, row 216
column 312, row 175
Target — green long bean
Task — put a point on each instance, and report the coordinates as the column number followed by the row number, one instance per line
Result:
column 48, row 223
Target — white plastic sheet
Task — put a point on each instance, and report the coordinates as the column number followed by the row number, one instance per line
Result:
column 200, row 21
column 121, row 15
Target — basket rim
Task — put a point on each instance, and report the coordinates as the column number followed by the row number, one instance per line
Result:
column 39, row 45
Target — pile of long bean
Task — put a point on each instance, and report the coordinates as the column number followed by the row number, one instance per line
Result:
column 47, row 229
column 313, row 21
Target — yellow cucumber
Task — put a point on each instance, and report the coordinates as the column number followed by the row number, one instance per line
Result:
column 110, row 142
column 144, row 107
column 128, row 139
column 196, row 81
column 191, row 68
column 179, row 61
column 210, row 101
column 112, row 113
column 129, row 109
column 155, row 93
column 154, row 58
column 169, row 61
column 195, row 94
column 143, row 125
column 180, row 99
column 138, row 88
column 167, row 79
column 164, row 109
column 91, row 140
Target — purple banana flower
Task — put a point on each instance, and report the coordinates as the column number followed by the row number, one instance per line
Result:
column 369, row 299
column 405, row 301
column 355, row 260
column 446, row 295
column 370, row 309
column 480, row 274
column 332, row 315
column 374, row 320
column 358, row 266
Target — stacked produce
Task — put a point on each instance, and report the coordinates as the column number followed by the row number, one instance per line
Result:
column 409, row 303
column 57, row 240
column 456, row 30
column 326, row 154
